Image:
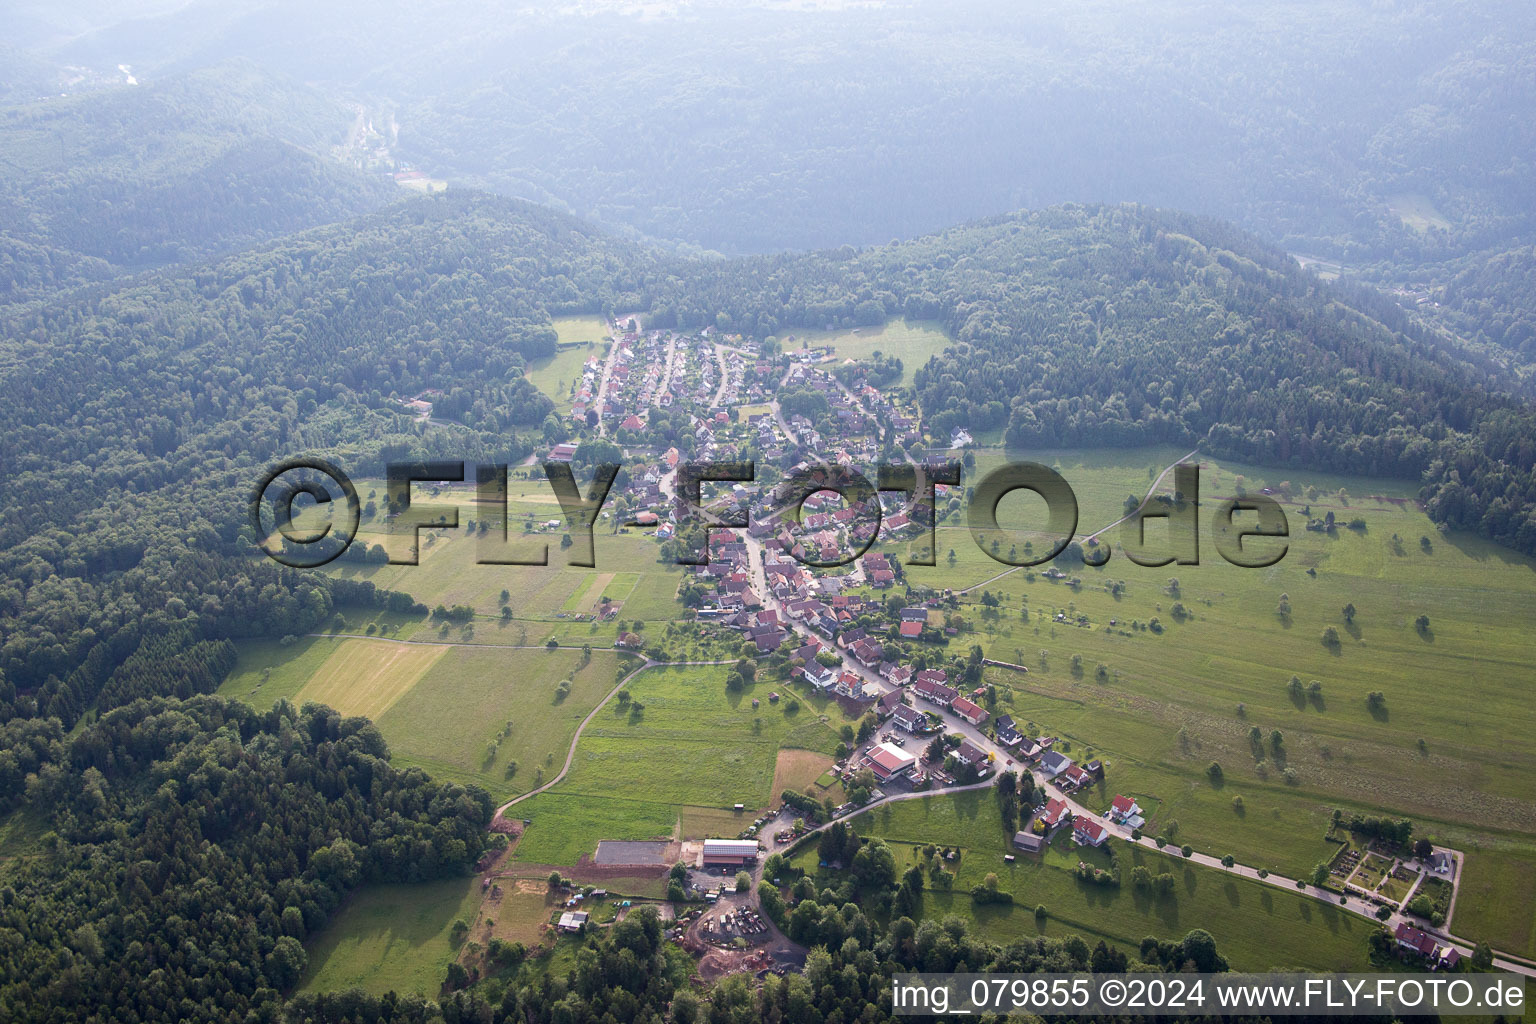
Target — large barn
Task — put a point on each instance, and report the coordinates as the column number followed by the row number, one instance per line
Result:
column 728, row 852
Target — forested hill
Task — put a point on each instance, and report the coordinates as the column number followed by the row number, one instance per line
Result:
column 134, row 422
column 1108, row 326
column 129, row 178
column 160, row 403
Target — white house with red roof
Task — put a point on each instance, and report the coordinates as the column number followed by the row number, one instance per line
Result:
column 1055, row 813
column 1127, row 811
column 1088, row 831
column 1075, row 776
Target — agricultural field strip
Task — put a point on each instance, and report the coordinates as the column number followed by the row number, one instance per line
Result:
column 570, row 754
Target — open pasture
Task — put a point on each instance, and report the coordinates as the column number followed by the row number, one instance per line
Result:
column 1256, row 926
column 391, row 937
column 914, row 342
column 1450, row 745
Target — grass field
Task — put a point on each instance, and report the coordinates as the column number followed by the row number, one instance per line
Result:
column 1453, row 748
column 366, row 677
column 911, row 341
column 1168, row 702
column 439, row 706
column 1417, row 212
column 391, row 937
column 555, row 374
column 678, row 767
column 1256, row 926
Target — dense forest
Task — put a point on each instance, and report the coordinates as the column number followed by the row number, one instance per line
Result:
column 193, row 846
column 135, row 421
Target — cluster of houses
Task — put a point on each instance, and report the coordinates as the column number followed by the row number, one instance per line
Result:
column 1086, row 829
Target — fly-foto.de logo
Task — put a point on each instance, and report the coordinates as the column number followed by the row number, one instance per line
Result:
column 306, row 512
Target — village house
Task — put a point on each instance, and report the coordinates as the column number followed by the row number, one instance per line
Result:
column 1055, row 813
column 909, row 718
column 1053, row 764
column 973, row 713
column 1126, row 811
column 1074, row 777
column 1421, row 943
column 1087, row 831
column 967, row 753
column 1007, row 731
column 934, row 692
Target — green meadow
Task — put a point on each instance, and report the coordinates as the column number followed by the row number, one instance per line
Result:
column 579, row 339
column 449, row 715
column 678, row 766
column 391, row 938
column 1257, row 926
column 1160, row 671
column 914, row 342
column 1452, row 747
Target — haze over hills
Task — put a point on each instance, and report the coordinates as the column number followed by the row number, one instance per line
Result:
column 125, row 179
column 755, row 127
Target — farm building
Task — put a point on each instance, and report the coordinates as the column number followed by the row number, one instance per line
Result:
column 562, row 453
column 888, row 761
column 572, row 920
column 728, row 852
column 1028, row 842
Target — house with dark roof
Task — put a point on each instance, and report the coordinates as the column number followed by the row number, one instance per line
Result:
column 968, row 753
column 1028, row 842
column 1007, row 730
column 1053, row 764
column 1414, row 940
column 909, row 718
